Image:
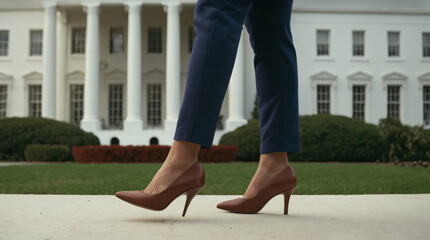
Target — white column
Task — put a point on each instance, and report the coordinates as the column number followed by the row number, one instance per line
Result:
column 48, row 85
column 173, row 65
column 235, row 91
column 133, row 121
column 91, row 121
column 61, row 66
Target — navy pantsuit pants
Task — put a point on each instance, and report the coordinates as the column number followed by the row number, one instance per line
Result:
column 218, row 25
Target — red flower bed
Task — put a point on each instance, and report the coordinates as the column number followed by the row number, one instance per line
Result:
column 146, row 154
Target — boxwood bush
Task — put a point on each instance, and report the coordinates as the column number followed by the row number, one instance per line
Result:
column 324, row 137
column 404, row 142
column 246, row 138
column 46, row 153
column 18, row 132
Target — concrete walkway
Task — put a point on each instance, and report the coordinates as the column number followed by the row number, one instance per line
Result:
column 311, row 217
column 19, row 163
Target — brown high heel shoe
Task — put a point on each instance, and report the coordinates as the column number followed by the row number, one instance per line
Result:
column 284, row 183
column 191, row 181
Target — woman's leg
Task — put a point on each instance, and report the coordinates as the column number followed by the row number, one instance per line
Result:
column 275, row 65
column 218, row 25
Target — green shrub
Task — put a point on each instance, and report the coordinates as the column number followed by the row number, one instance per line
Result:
column 323, row 138
column 247, row 139
column 326, row 137
column 16, row 133
column 403, row 142
column 46, row 153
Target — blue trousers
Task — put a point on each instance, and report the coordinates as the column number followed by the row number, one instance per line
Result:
column 218, row 25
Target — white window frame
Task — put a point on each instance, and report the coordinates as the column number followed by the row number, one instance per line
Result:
column 154, row 76
column 148, row 42
column 399, row 101
column 6, row 100
column 76, row 77
column 70, row 40
column 324, row 78
column 124, row 40
column 394, row 58
column 422, row 44
column 365, row 102
column 124, row 89
column 422, row 97
column 31, row 78
column 423, row 80
column 360, row 78
column 161, row 103
column 329, row 98
column 30, row 44
column 395, row 78
column 115, row 76
column 6, row 79
column 70, row 101
column 7, row 57
column 328, row 39
column 28, row 99
column 364, row 43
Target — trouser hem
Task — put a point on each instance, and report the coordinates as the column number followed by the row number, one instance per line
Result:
column 204, row 145
column 279, row 148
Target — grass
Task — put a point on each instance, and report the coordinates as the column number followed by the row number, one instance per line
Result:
column 221, row 178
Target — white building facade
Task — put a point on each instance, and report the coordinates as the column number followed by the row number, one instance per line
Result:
column 118, row 68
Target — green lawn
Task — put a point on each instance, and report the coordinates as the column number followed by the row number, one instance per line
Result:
column 221, row 178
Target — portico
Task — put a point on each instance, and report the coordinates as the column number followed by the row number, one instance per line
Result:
column 61, row 68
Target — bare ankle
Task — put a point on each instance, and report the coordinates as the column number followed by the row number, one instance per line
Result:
column 183, row 152
column 273, row 160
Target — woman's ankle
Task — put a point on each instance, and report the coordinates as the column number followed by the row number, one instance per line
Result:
column 183, row 153
column 273, row 160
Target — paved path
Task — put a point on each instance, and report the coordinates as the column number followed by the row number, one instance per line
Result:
column 4, row 164
column 106, row 217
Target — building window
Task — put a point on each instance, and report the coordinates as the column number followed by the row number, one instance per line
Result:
column 323, row 99
column 4, row 43
column 322, row 42
column 358, row 101
column 191, row 36
column 154, row 104
column 36, row 37
column 76, row 103
column 78, row 40
column 426, row 104
column 3, row 100
column 393, row 101
column 393, row 44
column 358, row 43
column 154, row 40
column 35, row 100
column 426, row 44
column 116, row 40
column 115, row 105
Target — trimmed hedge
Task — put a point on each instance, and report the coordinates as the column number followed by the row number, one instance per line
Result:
column 146, row 154
column 403, row 142
column 326, row 137
column 246, row 138
column 46, row 153
column 16, row 133
column 323, row 138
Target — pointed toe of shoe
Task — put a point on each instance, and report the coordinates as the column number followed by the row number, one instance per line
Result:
column 229, row 205
column 128, row 196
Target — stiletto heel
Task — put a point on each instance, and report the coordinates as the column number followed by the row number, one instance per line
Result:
column 190, row 195
column 191, row 181
column 287, row 195
column 285, row 182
